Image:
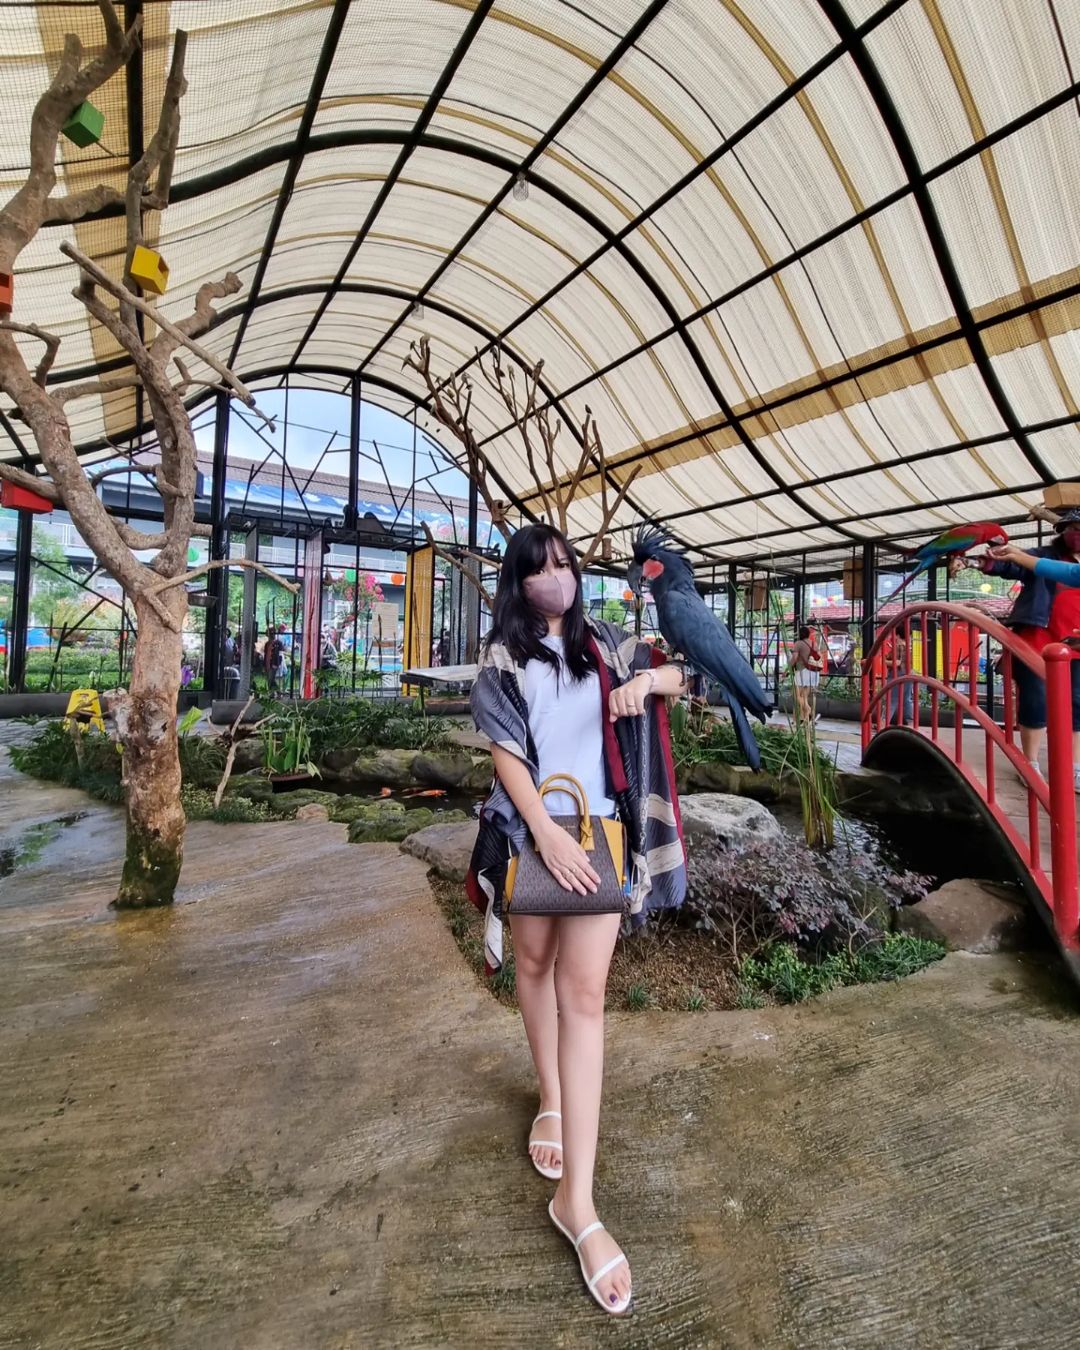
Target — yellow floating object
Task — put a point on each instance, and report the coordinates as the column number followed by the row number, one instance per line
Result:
column 149, row 270
column 84, row 708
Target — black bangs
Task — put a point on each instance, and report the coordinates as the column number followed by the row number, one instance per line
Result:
column 520, row 627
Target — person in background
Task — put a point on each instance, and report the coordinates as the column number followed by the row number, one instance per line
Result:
column 1046, row 611
column 805, row 665
column 273, row 658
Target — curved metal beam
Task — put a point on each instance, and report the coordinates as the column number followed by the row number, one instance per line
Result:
column 892, row 121
column 318, row 82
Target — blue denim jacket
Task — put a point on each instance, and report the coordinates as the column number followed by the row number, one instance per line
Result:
column 1033, row 604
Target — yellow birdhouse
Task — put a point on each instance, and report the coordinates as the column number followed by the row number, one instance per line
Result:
column 149, row 270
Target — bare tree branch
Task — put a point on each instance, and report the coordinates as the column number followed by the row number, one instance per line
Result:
column 166, row 582
column 31, row 482
column 24, row 213
column 77, row 205
column 51, row 341
column 234, row 737
column 1044, row 513
column 452, row 404
column 229, row 286
column 459, row 566
column 109, row 384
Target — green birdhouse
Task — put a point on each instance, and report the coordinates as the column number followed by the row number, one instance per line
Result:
column 85, row 125
column 149, row 270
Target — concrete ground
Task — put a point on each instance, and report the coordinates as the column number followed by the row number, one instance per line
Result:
column 284, row 1114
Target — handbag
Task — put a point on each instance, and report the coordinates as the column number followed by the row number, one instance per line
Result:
column 531, row 889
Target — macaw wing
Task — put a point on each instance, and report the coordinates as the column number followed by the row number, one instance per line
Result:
column 690, row 627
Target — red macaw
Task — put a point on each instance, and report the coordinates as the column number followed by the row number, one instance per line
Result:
column 951, row 543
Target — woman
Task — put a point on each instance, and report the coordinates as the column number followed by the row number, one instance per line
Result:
column 1045, row 611
column 805, row 665
column 559, row 693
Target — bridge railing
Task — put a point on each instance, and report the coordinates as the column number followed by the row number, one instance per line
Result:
column 892, row 695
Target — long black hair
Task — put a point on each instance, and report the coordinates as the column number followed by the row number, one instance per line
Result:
column 514, row 621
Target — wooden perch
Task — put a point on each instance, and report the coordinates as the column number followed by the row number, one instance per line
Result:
column 1044, row 513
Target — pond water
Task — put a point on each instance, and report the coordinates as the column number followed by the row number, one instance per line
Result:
column 413, row 799
column 940, row 847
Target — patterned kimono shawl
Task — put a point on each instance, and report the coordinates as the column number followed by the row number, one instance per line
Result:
column 640, row 776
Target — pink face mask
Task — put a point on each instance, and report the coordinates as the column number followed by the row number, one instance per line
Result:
column 551, row 593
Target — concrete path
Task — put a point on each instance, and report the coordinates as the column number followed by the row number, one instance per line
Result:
column 284, row 1114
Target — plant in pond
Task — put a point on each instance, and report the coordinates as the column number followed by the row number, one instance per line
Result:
column 286, row 739
column 361, row 723
column 699, row 736
column 638, row 997
column 814, row 772
column 788, row 977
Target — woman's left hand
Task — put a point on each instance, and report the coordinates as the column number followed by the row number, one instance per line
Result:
column 629, row 699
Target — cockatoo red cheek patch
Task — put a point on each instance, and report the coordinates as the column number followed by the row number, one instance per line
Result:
column 651, row 569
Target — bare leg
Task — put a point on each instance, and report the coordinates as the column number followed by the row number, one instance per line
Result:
column 1031, row 739
column 585, row 946
column 536, row 940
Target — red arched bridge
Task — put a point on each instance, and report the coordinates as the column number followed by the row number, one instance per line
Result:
column 929, row 684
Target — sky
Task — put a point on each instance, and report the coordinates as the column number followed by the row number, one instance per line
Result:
column 318, row 420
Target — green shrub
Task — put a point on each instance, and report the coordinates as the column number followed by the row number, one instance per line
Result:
column 787, row 977
column 696, row 1001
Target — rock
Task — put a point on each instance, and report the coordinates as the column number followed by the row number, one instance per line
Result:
column 446, row 847
column 250, row 754
column 313, row 811
column 968, row 916
column 726, row 821
column 394, row 826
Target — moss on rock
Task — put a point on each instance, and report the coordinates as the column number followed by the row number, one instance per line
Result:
column 394, row 826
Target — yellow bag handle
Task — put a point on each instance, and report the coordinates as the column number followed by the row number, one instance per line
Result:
column 578, row 793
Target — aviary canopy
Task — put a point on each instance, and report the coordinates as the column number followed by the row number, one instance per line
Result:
column 812, row 264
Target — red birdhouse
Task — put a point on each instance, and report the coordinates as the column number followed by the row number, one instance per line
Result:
column 7, row 293
column 17, row 498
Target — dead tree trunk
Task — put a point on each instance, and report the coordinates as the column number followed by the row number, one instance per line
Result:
column 146, row 714
column 146, row 724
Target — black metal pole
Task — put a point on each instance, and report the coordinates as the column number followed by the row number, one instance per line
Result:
column 930, row 626
column 217, row 581
column 732, row 610
column 351, row 512
column 20, row 602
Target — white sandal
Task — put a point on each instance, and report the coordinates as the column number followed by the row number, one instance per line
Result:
column 549, row 1172
column 616, row 1309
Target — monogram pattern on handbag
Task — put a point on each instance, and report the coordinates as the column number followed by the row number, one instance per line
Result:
column 530, row 887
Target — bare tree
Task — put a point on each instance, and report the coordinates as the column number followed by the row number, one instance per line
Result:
column 146, row 714
column 451, row 402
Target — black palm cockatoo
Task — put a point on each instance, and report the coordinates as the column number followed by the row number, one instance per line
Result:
column 689, row 626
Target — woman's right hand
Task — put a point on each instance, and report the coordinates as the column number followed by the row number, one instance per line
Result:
column 566, row 860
